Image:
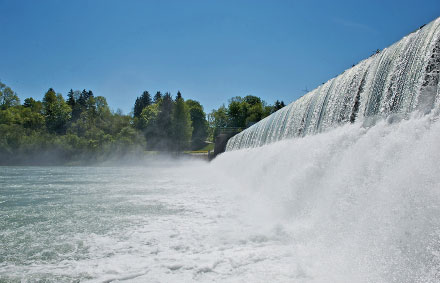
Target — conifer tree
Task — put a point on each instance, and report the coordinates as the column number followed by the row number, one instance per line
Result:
column 82, row 100
column 73, row 101
column 164, row 139
column 181, row 124
column 71, row 98
column 277, row 106
column 141, row 102
column 178, row 96
column 157, row 97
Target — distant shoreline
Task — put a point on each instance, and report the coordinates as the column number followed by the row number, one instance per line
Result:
column 136, row 158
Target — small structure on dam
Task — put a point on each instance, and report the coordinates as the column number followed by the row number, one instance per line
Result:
column 397, row 81
column 221, row 137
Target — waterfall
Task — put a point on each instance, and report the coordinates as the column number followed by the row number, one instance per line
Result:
column 396, row 81
column 356, row 204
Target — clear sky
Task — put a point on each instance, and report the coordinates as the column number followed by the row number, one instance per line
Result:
column 209, row 50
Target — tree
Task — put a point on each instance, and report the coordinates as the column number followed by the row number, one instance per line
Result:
column 141, row 102
column 8, row 98
column 218, row 118
column 164, row 139
column 236, row 112
column 103, row 114
column 254, row 114
column 252, row 100
column 101, row 106
column 148, row 124
column 56, row 112
column 129, row 138
column 277, row 106
column 157, row 97
column 71, row 99
column 34, row 105
column 181, row 124
column 149, row 118
column 178, row 96
column 31, row 119
column 90, row 104
column 47, row 127
column 82, row 100
column 242, row 112
column 246, row 111
column 199, row 123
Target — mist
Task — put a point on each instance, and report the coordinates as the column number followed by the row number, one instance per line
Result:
column 356, row 204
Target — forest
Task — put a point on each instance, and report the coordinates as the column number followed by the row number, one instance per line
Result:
column 81, row 128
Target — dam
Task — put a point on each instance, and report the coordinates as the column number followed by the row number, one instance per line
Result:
column 394, row 82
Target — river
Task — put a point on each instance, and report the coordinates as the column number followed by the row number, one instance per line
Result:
column 354, row 204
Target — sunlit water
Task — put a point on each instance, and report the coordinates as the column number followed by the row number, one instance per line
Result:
column 354, row 204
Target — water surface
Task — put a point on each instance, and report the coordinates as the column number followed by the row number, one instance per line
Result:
column 355, row 204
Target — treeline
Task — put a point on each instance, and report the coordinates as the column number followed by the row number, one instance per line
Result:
column 82, row 127
column 242, row 112
column 170, row 124
column 54, row 131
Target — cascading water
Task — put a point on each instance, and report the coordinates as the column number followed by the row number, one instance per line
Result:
column 396, row 81
column 353, row 204
column 359, row 202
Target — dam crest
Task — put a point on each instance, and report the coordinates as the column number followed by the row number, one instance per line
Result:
column 397, row 81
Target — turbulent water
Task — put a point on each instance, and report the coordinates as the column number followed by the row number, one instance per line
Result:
column 359, row 203
column 398, row 80
column 355, row 204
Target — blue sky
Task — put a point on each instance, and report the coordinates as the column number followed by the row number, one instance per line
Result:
column 209, row 50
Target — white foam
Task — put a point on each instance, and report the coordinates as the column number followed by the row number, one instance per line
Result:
column 354, row 204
